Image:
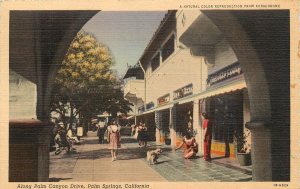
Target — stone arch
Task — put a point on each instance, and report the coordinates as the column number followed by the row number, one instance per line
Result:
column 260, row 40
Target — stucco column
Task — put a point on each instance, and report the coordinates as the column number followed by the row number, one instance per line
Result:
column 260, row 151
column 197, row 126
column 29, row 150
column 172, row 127
column 158, row 121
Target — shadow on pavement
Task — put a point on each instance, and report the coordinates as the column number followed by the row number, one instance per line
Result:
column 122, row 154
column 244, row 180
column 58, row 179
column 160, row 162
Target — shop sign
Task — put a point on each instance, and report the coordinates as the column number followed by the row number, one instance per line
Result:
column 182, row 92
column 163, row 100
column 225, row 73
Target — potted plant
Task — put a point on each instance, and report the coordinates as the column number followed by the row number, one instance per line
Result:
column 167, row 139
column 243, row 151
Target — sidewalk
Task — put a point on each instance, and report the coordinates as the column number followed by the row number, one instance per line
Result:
column 92, row 162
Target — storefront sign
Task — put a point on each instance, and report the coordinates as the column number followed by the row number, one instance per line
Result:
column 182, row 92
column 163, row 100
column 225, row 73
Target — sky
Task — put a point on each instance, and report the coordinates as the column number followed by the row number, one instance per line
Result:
column 126, row 33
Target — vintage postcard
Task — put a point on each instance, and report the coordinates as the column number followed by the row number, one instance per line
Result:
column 150, row 94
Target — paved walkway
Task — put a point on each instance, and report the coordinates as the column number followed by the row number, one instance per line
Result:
column 92, row 162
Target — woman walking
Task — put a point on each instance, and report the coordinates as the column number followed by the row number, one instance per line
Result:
column 113, row 137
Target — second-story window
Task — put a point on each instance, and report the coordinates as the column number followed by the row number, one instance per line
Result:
column 168, row 48
column 155, row 62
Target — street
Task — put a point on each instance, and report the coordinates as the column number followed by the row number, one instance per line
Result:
column 91, row 161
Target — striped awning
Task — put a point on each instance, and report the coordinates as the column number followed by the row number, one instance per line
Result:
column 233, row 86
column 213, row 91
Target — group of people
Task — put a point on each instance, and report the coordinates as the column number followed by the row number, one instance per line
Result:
column 114, row 136
column 189, row 141
column 64, row 138
column 140, row 133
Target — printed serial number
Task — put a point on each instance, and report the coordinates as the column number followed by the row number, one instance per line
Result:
column 281, row 185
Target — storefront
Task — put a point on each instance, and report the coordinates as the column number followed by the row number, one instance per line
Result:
column 183, row 117
column 226, row 112
column 183, row 112
column 163, row 119
column 149, row 120
column 228, row 107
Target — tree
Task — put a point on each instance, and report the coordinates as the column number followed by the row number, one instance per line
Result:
column 85, row 83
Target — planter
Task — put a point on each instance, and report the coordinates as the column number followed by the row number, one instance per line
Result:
column 168, row 141
column 244, row 159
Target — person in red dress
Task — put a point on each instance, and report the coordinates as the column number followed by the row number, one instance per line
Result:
column 189, row 143
column 207, row 126
column 191, row 146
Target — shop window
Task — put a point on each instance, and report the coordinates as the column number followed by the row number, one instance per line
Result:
column 168, row 48
column 228, row 116
column 155, row 62
column 184, row 115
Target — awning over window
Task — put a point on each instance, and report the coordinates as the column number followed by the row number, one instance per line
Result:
column 233, row 86
column 229, row 87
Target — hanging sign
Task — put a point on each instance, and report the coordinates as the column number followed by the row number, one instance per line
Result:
column 163, row 100
column 225, row 73
column 182, row 92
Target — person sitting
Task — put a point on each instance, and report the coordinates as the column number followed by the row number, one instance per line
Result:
column 72, row 136
column 191, row 146
column 61, row 140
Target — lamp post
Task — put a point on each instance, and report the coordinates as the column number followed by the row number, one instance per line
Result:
column 144, row 85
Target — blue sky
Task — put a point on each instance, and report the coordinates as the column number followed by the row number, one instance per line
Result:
column 126, row 33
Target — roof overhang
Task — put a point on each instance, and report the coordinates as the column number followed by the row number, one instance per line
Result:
column 202, row 32
column 135, row 71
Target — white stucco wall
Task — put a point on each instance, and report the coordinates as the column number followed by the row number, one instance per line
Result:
column 224, row 56
column 22, row 97
column 184, row 19
column 179, row 70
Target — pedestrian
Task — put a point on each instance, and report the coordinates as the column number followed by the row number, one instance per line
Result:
column 72, row 136
column 191, row 146
column 132, row 129
column 136, row 132
column 101, row 131
column 142, row 135
column 207, row 126
column 114, row 137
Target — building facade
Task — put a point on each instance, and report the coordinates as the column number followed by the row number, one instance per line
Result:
column 182, row 82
